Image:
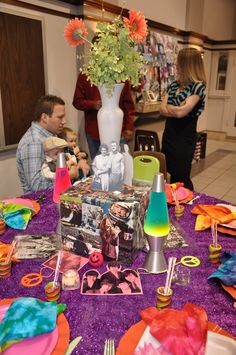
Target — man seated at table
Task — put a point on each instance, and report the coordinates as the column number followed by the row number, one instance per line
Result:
column 49, row 121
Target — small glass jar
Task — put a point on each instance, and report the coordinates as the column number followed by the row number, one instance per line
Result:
column 181, row 275
column 70, row 280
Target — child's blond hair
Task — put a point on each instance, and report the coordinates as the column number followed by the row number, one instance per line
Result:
column 65, row 131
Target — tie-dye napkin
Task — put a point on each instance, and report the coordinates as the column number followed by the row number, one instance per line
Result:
column 17, row 216
column 27, row 317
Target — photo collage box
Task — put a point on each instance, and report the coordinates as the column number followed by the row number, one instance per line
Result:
column 109, row 222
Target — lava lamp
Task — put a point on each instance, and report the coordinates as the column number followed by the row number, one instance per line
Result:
column 156, row 226
column 62, row 179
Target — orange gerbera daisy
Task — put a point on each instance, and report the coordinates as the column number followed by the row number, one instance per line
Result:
column 137, row 25
column 75, row 32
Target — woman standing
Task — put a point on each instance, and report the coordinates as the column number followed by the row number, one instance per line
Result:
column 183, row 104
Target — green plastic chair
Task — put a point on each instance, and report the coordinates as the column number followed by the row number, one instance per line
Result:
column 145, row 167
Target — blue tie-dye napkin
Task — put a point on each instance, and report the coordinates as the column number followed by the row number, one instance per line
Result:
column 227, row 271
column 27, row 317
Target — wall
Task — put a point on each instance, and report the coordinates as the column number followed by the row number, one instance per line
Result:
column 191, row 15
column 219, row 24
column 194, row 16
column 234, row 24
column 169, row 12
column 221, row 103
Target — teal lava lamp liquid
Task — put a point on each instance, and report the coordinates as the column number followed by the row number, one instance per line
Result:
column 157, row 218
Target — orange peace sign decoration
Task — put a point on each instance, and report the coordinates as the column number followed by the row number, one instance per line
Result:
column 31, row 280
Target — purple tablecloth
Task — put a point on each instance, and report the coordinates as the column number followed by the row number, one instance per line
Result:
column 96, row 318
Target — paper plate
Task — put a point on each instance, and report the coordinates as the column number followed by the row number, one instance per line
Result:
column 218, row 344
column 182, row 193
column 230, row 289
column 226, row 230
column 232, row 224
column 54, row 343
column 39, row 345
column 136, row 333
column 188, row 197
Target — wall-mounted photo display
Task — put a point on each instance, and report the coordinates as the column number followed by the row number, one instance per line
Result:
column 160, row 53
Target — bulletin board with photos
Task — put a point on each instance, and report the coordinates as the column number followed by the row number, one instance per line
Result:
column 160, row 53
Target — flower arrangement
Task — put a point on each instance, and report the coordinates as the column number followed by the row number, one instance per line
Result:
column 113, row 58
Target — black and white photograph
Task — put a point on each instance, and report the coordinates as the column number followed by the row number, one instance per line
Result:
column 91, row 218
column 108, row 168
column 71, row 213
column 101, row 168
column 79, row 241
column 36, row 246
column 75, row 244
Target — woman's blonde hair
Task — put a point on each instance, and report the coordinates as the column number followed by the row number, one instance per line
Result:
column 191, row 66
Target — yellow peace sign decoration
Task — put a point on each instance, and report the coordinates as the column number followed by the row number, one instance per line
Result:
column 31, row 280
column 190, row 261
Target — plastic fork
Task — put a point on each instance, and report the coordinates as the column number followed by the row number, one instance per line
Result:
column 109, row 347
column 193, row 199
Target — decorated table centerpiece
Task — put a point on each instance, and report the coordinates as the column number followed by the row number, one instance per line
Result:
column 112, row 61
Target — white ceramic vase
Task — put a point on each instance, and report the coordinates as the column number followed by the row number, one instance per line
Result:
column 110, row 116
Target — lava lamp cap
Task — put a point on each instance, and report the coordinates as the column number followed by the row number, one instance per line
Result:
column 61, row 160
column 158, row 184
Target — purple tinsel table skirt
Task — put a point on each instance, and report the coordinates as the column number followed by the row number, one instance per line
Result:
column 96, row 318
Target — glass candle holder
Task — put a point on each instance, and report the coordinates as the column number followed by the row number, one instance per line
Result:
column 52, row 293
column 70, row 280
column 181, row 275
column 5, row 268
column 163, row 300
column 214, row 253
column 179, row 211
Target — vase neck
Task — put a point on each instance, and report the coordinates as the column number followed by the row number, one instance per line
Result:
column 113, row 99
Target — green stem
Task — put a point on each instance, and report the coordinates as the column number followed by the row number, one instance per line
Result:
column 85, row 39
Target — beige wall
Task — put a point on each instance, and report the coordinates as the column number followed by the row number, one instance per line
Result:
column 219, row 19
column 213, row 18
column 194, row 16
column 169, row 12
column 234, row 24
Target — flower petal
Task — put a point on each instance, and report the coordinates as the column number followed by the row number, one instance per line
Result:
column 137, row 25
column 75, row 32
